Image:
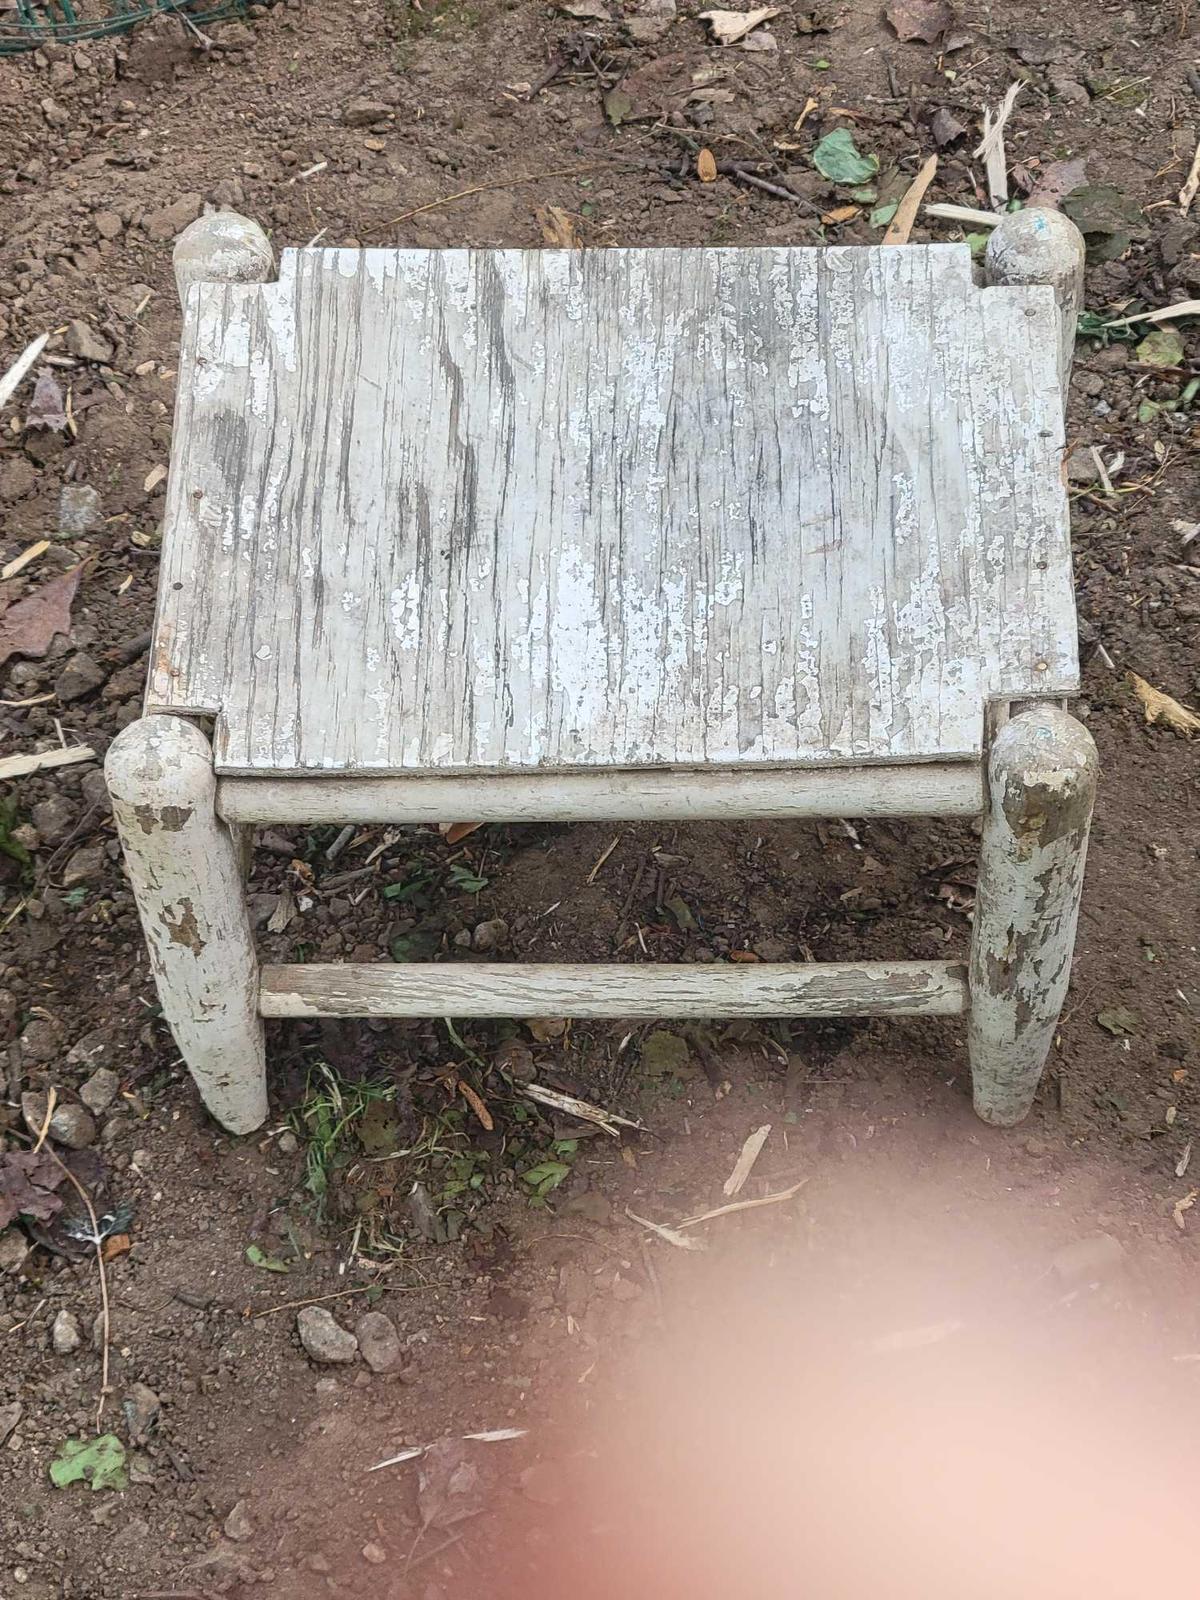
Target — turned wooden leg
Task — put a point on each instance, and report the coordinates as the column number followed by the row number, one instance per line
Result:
column 1041, row 246
column 187, row 881
column 1041, row 786
column 223, row 247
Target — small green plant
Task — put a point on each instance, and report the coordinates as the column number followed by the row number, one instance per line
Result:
column 326, row 1119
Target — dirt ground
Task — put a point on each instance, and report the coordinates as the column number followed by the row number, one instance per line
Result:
column 521, row 1294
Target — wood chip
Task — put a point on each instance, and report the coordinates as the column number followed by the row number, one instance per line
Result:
column 153, row 478
column 592, row 875
column 11, row 380
column 43, row 760
column 558, row 229
column 1181, row 308
column 991, row 146
column 730, row 26
column 574, row 1107
column 681, row 1241
column 1188, row 193
column 454, row 832
column 751, row 1150
column 968, row 214
column 1160, row 707
column 19, row 563
column 477, row 1105
column 901, row 224
column 744, row 1205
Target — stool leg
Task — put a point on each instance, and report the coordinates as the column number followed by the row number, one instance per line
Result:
column 187, row 882
column 1042, row 773
column 222, row 247
column 1042, row 246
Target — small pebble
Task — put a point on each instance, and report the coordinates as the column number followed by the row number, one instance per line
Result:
column 324, row 1339
column 65, row 1335
column 375, row 1554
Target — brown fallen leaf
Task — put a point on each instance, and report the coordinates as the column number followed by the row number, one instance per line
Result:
column 475, row 1101
column 453, row 832
column 840, row 214
column 946, row 128
column 27, row 628
column 901, row 224
column 1159, row 707
column 926, row 20
column 1056, row 180
column 730, row 26
column 46, row 408
column 117, row 1244
column 544, row 1029
column 706, row 166
column 558, row 230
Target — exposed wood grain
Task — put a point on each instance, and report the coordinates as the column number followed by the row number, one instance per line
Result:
column 829, row 989
column 187, row 882
column 925, row 789
column 1042, row 779
column 516, row 511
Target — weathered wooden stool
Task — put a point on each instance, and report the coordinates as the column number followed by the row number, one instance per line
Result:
column 625, row 535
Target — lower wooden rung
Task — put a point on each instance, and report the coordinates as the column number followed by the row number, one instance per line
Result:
column 460, row 989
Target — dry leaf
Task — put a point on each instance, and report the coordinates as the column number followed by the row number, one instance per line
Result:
column 475, row 1101
column 926, row 20
column 730, row 26
column 750, row 1152
column 558, row 230
column 840, row 214
column 946, row 128
column 706, row 166
column 46, row 408
column 1186, row 1204
column 27, row 628
column 544, row 1029
column 452, row 832
column 1056, row 181
column 1159, row 707
column 117, row 1244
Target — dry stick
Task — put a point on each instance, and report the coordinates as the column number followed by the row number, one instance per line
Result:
column 497, row 183
column 99, row 1244
column 901, row 224
column 341, row 1294
column 51, row 1102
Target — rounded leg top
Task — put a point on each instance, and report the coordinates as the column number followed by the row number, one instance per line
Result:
column 160, row 761
column 1034, row 246
column 223, row 247
column 1043, row 770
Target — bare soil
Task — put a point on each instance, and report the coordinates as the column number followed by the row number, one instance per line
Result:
column 530, row 1314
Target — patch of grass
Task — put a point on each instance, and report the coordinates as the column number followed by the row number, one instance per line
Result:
column 327, row 1119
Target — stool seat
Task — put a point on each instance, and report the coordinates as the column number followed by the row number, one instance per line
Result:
column 475, row 511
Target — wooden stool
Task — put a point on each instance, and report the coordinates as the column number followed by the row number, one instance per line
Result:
column 621, row 534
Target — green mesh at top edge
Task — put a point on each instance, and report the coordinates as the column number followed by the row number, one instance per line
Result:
column 38, row 22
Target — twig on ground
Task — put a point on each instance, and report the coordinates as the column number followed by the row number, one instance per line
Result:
column 11, row 380
column 1188, row 193
column 496, row 183
column 98, row 1243
column 744, row 1205
column 51, row 1102
column 901, row 224
column 592, row 875
column 340, row 1294
column 41, row 760
column 610, row 1121
column 750, row 1152
column 667, row 1235
column 949, row 213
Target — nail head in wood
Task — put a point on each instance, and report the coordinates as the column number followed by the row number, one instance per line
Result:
column 1037, row 245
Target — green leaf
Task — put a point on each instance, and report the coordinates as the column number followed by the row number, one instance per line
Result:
column 882, row 215
column 978, row 243
column 463, row 878
column 839, row 159
column 257, row 1257
column 865, row 194
column 75, row 897
column 419, row 945
column 8, row 821
column 617, row 106
column 547, row 1175
column 822, row 64
column 100, row 1462
column 1162, row 348
column 1119, row 1020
